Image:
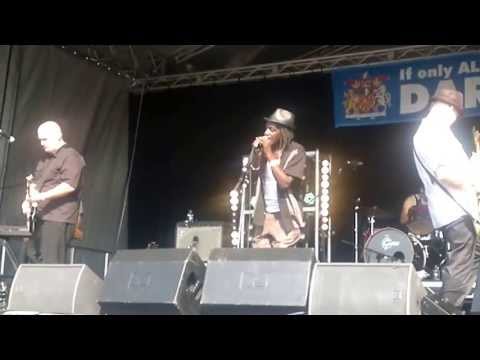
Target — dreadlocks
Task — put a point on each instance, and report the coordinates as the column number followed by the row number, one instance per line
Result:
column 285, row 138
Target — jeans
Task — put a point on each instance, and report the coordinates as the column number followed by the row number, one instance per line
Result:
column 49, row 242
column 460, row 270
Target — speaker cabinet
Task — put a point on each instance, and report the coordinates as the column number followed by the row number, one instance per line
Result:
column 55, row 288
column 365, row 289
column 203, row 237
column 153, row 281
column 257, row 281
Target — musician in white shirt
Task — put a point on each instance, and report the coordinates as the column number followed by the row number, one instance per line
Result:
column 442, row 154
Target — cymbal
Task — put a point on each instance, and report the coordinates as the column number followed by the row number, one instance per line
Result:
column 377, row 212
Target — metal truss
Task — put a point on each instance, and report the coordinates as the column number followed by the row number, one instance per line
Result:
column 185, row 53
column 137, row 61
column 297, row 67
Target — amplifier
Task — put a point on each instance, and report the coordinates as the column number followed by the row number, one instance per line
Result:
column 203, row 236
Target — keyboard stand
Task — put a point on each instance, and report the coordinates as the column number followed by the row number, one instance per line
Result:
column 6, row 252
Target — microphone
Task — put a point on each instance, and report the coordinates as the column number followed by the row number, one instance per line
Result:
column 10, row 139
column 256, row 144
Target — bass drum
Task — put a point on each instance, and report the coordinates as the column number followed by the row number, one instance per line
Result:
column 390, row 245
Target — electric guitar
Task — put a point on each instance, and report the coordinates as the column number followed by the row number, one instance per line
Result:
column 32, row 206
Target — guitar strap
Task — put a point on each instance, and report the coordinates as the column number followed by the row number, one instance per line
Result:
column 434, row 179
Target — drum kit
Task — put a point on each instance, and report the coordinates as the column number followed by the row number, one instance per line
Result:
column 419, row 244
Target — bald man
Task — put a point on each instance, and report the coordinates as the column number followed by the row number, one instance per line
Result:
column 56, row 188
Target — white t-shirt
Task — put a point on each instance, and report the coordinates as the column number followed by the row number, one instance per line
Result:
column 437, row 146
column 270, row 191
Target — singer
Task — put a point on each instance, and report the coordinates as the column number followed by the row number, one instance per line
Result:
column 56, row 187
column 278, row 168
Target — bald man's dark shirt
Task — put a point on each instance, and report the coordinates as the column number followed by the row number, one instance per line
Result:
column 66, row 165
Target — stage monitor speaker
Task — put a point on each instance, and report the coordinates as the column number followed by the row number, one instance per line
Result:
column 153, row 281
column 55, row 289
column 257, row 281
column 365, row 289
column 203, row 237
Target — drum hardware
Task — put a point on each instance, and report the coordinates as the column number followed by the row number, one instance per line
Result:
column 372, row 213
column 371, row 221
column 394, row 246
column 397, row 257
column 421, row 245
column 376, row 212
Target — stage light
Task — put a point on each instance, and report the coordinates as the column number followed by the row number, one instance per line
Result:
column 325, row 163
column 324, row 227
column 234, row 208
column 325, row 198
column 325, row 171
column 324, row 212
column 234, row 194
column 325, row 220
column 325, row 184
column 235, row 238
column 234, row 201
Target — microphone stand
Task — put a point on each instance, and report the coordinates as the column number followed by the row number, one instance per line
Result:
column 243, row 183
column 3, row 169
column 356, row 210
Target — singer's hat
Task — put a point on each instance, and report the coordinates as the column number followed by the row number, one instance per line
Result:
column 282, row 117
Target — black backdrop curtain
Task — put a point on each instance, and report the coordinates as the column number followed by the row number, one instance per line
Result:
column 91, row 105
column 191, row 142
